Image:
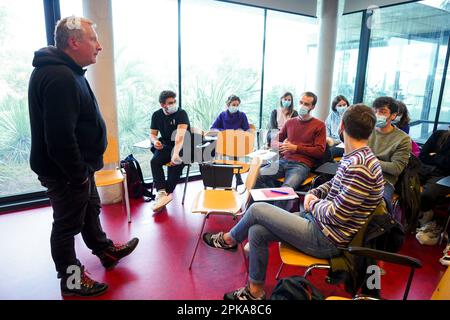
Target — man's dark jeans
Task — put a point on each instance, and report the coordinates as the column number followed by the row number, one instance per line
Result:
column 75, row 209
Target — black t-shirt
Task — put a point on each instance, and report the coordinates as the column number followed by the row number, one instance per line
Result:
column 168, row 124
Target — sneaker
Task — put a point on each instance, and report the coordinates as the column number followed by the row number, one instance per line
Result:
column 162, row 199
column 85, row 286
column 445, row 260
column 447, row 249
column 428, row 238
column 428, row 227
column 216, row 240
column 426, row 217
column 111, row 256
column 242, row 294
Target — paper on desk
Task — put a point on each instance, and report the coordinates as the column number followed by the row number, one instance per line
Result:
column 262, row 154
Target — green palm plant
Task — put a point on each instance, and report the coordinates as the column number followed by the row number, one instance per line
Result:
column 15, row 140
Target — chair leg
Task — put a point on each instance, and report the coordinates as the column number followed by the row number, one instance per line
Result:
column 127, row 199
column 198, row 241
column 315, row 266
column 279, row 271
column 186, row 182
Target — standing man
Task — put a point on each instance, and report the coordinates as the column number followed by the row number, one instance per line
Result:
column 171, row 122
column 68, row 139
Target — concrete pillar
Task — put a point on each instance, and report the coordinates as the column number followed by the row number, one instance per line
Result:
column 328, row 24
column 101, row 77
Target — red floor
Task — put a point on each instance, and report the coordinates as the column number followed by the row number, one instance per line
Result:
column 158, row 269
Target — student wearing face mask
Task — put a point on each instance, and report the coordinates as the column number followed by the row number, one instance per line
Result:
column 171, row 122
column 279, row 116
column 338, row 107
column 390, row 145
column 301, row 142
column 402, row 119
column 232, row 118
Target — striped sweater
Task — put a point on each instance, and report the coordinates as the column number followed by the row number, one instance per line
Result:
column 346, row 201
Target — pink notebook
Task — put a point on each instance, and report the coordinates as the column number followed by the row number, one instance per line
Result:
column 268, row 195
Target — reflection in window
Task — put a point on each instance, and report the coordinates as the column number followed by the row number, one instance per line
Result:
column 291, row 52
column 221, row 55
column 146, row 63
column 346, row 59
column 406, row 58
column 21, row 33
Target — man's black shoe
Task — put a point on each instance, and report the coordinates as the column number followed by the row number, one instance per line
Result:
column 83, row 287
column 111, row 256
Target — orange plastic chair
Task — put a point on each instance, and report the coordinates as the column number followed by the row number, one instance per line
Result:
column 105, row 178
column 225, row 201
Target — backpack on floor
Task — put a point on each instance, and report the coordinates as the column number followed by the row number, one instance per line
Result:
column 295, row 288
column 137, row 188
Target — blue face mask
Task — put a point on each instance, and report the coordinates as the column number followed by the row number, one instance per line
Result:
column 341, row 110
column 286, row 103
column 172, row 109
column 381, row 122
column 233, row 109
column 303, row 111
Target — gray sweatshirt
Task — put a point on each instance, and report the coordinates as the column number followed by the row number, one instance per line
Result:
column 392, row 150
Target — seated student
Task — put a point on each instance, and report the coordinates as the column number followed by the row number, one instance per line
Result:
column 390, row 145
column 231, row 118
column 335, row 211
column 435, row 158
column 172, row 122
column 301, row 142
column 401, row 121
column 338, row 107
column 279, row 116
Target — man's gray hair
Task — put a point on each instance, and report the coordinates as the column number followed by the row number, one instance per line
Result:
column 70, row 27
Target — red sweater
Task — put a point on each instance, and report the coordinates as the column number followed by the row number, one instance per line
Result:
column 309, row 137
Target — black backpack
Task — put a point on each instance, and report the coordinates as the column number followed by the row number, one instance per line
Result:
column 137, row 188
column 408, row 188
column 295, row 288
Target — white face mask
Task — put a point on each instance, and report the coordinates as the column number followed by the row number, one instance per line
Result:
column 233, row 109
column 172, row 109
column 303, row 111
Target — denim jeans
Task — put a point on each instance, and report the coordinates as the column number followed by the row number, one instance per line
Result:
column 75, row 209
column 388, row 194
column 264, row 223
column 294, row 173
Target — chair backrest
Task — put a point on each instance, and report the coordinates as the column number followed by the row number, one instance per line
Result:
column 253, row 173
column 252, row 126
column 235, row 143
column 216, row 175
column 111, row 155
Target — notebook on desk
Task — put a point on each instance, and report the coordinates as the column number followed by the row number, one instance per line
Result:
column 271, row 194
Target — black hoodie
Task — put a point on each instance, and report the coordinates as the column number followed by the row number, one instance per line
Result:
column 68, row 134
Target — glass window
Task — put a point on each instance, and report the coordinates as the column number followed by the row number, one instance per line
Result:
column 444, row 116
column 71, row 7
column 291, row 55
column 407, row 52
column 346, row 59
column 146, row 63
column 21, row 33
column 221, row 55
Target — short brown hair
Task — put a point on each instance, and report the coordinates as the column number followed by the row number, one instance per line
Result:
column 359, row 121
column 310, row 95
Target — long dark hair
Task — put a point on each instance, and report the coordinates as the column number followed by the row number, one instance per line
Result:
column 403, row 110
column 338, row 99
column 443, row 140
column 291, row 107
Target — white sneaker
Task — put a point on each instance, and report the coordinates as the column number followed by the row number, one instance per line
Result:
column 426, row 217
column 429, row 238
column 445, row 260
column 162, row 199
column 428, row 227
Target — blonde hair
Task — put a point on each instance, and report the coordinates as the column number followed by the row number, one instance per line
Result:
column 70, row 27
